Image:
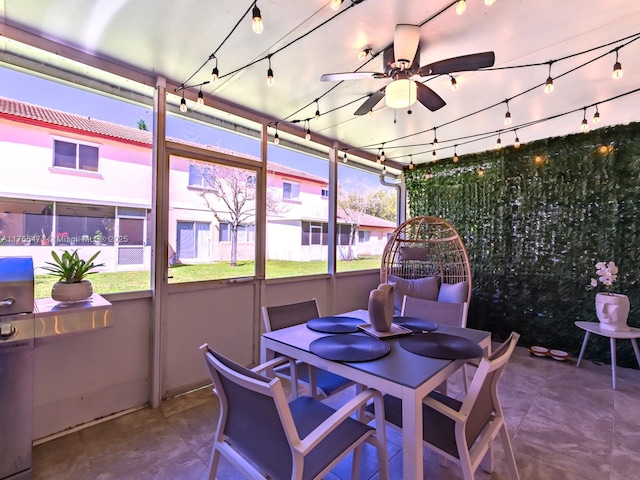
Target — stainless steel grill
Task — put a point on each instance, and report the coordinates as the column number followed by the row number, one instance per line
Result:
column 17, row 330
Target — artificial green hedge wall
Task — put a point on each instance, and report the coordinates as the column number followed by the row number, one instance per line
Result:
column 535, row 222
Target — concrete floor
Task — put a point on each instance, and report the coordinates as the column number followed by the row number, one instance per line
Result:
column 566, row 423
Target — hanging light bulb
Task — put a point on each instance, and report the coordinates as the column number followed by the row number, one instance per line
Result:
column 200, row 100
column 516, row 143
column 363, row 54
column 370, row 113
column 378, row 160
column 317, row 110
column 384, row 170
column 382, row 157
column 454, row 84
column 276, row 138
column 257, row 25
column 183, row 105
column 596, row 116
column 617, row 68
column 411, row 162
column 270, row 79
column 344, row 159
column 480, row 172
column 507, row 116
column 498, row 143
column 584, row 125
column 215, row 73
column 307, row 135
column 435, row 140
column 548, row 85
column 456, row 159
column 433, row 155
column 489, row 2
column 335, row 4
column 461, row 6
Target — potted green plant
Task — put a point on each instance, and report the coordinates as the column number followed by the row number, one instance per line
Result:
column 71, row 270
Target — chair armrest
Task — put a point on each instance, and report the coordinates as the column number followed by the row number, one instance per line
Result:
column 336, row 418
column 443, row 409
column 274, row 362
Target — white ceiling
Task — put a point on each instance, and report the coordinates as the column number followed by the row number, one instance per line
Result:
column 173, row 39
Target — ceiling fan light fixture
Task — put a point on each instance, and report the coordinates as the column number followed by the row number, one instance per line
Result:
column 401, row 93
column 461, row 6
column 257, row 24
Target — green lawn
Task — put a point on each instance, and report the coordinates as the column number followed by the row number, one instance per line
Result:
column 132, row 281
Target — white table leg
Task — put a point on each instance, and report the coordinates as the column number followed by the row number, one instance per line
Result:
column 634, row 344
column 584, row 347
column 612, row 341
column 411, row 436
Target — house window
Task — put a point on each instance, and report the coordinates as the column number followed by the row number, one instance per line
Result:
column 290, row 191
column 246, row 233
column 325, row 192
column 364, row 236
column 200, row 175
column 194, row 240
column 75, row 155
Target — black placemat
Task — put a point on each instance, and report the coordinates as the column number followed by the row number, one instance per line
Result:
column 335, row 324
column 416, row 325
column 349, row 348
column 441, row 345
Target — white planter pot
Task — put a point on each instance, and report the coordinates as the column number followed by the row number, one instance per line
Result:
column 72, row 292
column 612, row 311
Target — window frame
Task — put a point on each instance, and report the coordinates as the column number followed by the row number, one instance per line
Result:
column 291, row 191
column 77, row 154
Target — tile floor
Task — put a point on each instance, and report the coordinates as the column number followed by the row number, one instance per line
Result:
column 566, row 423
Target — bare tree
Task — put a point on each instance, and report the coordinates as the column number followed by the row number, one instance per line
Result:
column 352, row 206
column 230, row 194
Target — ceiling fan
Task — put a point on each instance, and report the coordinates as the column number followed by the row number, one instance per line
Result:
column 402, row 61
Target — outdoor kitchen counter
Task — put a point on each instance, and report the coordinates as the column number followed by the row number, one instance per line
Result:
column 55, row 320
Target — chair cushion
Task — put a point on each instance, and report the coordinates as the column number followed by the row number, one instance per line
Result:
column 307, row 414
column 426, row 288
column 453, row 292
column 439, row 312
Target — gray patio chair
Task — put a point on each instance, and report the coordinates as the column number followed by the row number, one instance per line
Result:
column 321, row 382
column 463, row 431
column 265, row 437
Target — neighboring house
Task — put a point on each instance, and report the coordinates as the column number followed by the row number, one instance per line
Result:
column 72, row 181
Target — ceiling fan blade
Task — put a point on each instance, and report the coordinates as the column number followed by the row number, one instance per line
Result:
column 338, row 77
column 464, row 63
column 429, row 98
column 370, row 102
column 405, row 43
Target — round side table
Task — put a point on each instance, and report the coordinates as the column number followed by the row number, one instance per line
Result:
column 594, row 327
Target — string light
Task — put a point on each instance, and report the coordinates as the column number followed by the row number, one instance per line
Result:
column 411, row 162
column 307, row 135
column 384, row 170
column 498, row 142
column 435, row 140
column 584, row 126
column 379, row 160
column 480, row 172
column 363, row 54
column 183, row 102
column 596, row 116
column 434, row 157
column 382, row 157
column 335, row 4
column 317, row 109
column 461, row 6
column 548, row 85
column 344, row 159
column 257, row 25
column 454, row 84
column 456, row 159
column 617, row 68
column 507, row 116
column 270, row 79
column 516, row 143
column 276, row 138
column 200, row 100
column 215, row 73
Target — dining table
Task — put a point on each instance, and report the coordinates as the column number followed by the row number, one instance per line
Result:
column 401, row 373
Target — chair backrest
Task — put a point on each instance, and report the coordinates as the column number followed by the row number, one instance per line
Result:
column 454, row 314
column 251, row 410
column 282, row 316
column 481, row 403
